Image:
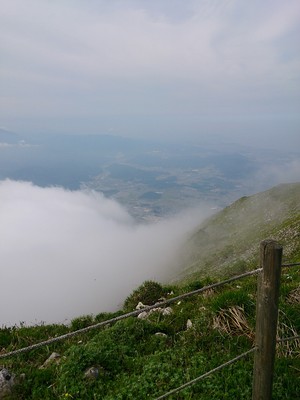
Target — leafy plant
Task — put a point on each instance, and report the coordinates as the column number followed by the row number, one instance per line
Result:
column 148, row 293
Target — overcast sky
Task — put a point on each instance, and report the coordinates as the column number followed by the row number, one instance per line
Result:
column 165, row 68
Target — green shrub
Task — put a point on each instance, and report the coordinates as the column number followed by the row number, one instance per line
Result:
column 82, row 322
column 5, row 337
column 195, row 285
column 148, row 293
column 105, row 316
column 134, row 363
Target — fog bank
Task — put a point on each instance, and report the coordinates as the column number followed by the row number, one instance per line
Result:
column 67, row 253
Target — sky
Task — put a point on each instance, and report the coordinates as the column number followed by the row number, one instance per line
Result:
column 70, row 253
column 159, row 68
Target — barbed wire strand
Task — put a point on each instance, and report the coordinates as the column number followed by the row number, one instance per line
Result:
column 288, row 339
column 127, row 315
column 218, row 368
column 290, row 265
column 192, row 382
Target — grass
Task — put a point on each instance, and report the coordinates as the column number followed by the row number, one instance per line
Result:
column 228, row 241
column 143, row 359
column 135, row 363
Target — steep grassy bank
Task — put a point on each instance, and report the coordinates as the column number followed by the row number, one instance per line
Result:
column 144, row 358
column 227, row 242
column 140, row 359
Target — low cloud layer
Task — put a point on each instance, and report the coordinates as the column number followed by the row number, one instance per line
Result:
column 64, row 253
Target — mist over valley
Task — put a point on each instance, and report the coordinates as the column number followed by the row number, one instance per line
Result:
column 124, row 125
column 85, row 219
column 147, row 148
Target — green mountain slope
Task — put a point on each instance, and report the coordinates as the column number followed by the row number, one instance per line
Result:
column 143, row 358
column 228, row 242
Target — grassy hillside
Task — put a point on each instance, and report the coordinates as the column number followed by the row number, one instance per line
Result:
column 227, row 243
column 144, row 358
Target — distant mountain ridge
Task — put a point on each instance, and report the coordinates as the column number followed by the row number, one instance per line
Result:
column 228, row 242
column 9, row 137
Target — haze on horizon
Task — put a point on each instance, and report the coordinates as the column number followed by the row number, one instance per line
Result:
column 220, row 70
column 171, row 69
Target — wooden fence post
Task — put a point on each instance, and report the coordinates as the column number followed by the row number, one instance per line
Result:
column 266, row 319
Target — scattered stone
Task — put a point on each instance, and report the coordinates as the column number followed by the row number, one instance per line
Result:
column 161, row 300
column 140, row 306
column 161, row 334
column 166, row 311
column 54, row 358
column 189, row 324
column 7, row 381
column 143, row 315
column 163, row 311
column 92, row 373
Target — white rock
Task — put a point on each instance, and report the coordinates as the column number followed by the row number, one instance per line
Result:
column 6, row 383
column 163, row 311
column 162, row 299
column 167, row 311
column 189, row 324
column 92, row 373
column 54, row 358
column 140, row 306
column 161, row 334
column 143, row 315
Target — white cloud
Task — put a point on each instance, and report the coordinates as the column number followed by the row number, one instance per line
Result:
column 64, row 254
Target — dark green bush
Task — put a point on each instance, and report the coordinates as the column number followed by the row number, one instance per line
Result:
column 105, row 316
column 148, row 293
column 195, row 285
column 5, row 336
column 81, row 322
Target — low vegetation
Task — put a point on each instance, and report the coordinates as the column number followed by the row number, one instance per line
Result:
column 227, row 242
column 142, row 358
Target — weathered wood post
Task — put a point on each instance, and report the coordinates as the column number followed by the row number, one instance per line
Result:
column 266, row 319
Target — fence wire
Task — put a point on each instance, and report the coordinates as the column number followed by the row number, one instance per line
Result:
column 290, row 265
column 212, row 371
column 130, row 314
column 192, row 382
column 233, row 360
column 288, row 339
column 147, row 308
